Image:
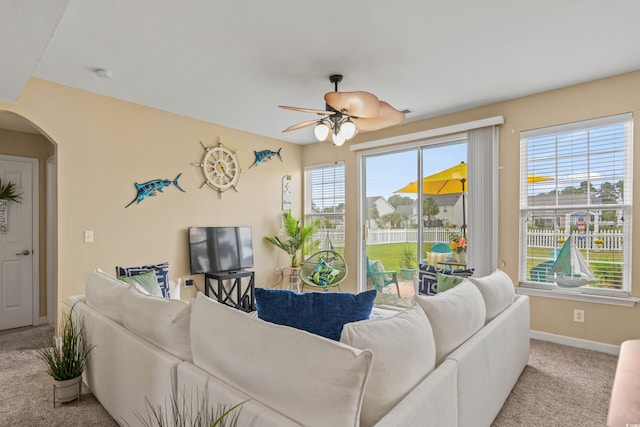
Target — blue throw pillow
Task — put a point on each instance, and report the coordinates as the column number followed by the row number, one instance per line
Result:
column 161, row 270
column 321, row 313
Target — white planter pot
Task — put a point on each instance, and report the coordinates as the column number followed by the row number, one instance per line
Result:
column 67, row 390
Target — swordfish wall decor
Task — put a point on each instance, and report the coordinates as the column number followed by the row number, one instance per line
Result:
column 151, row 188
column 264, row 155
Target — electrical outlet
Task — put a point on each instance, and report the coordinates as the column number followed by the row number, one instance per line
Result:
column 578, row 316
column 88, row 236
column 188, row 282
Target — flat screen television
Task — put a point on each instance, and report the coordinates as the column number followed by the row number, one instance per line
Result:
column 220, row 249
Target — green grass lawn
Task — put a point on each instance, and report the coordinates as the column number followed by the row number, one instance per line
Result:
column 390, row 254
column 606, row 265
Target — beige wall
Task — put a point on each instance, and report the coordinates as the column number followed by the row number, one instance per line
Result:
column 603, row 323
column 35, row 146
column 105, row 145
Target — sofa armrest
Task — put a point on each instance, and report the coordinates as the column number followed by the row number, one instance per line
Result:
column 432, row 403
column 624, row 408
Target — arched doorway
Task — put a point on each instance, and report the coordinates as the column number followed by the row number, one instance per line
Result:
column 21, row 139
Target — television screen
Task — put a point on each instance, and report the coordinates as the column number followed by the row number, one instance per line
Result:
column 220, row 249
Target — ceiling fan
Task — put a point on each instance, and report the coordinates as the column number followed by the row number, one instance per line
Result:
column 347, row 113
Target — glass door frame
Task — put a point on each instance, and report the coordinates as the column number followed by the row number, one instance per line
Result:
column 420, row 146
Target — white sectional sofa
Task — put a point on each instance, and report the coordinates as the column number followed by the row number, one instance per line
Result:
column 450, row 360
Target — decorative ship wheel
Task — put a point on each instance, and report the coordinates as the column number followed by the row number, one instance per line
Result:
column 220, row 167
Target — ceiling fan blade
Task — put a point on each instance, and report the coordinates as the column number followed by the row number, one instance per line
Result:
column 358, row 104
column 389, row 116
column 300, row 125
column 306, row 110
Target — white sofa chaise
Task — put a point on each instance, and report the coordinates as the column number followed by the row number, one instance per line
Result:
column 450, row 360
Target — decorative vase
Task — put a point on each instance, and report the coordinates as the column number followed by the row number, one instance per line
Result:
column 67, row 390
column 461, row 257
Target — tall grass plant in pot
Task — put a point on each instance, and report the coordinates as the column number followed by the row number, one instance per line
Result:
column 64, row 352
column 297, row 245
column 408, row 267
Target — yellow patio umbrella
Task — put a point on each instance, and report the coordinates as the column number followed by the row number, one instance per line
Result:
column 451, row 181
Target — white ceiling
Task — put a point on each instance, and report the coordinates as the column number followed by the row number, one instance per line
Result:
column 232, row 62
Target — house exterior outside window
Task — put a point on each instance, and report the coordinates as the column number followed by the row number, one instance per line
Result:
column 324, row 201
column 576, row 192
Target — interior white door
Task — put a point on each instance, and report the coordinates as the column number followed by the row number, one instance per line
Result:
column 16, row 248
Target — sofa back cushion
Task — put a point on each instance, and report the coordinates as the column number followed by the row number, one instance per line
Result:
column 455, row 315
column 161, row 321
column 313, row 380
column 404, row 354
column 103, row 293
column 497, row 290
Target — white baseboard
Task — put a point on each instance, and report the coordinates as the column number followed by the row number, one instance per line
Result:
column 576, row 342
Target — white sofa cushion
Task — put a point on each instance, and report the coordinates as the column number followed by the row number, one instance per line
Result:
column 161, row 321
column 497, row 290
column 315, row 381
column 455, row 315
column 103, row 293
column 404, row 354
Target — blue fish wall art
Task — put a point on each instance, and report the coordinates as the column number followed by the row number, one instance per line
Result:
column 264, row 155
column 151, row 188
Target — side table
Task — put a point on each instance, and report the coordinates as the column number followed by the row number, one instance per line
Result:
column 235, row 296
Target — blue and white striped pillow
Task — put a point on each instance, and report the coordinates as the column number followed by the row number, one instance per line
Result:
column 428, row 277
column 161, row 270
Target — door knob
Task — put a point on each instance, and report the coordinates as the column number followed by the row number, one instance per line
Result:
column 25, row 252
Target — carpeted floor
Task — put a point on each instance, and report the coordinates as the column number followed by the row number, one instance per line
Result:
column 560, row 386
column 26, row 391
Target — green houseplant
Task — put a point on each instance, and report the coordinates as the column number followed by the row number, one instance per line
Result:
column 299, row 242
column 8, row 192
column 299, row 238
column 408, row 262
column 65, row 356
column 189, row 410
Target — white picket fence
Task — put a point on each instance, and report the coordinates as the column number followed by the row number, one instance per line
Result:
column 612, row 239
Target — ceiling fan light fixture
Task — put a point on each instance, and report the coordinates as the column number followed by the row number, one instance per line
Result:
column 321, row 131
column 348, row 129
column 338, row 138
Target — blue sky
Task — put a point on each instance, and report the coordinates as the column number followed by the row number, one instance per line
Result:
column 389, row 172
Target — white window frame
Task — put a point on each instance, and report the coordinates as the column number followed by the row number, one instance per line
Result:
column 333, row 195
column 602, row 295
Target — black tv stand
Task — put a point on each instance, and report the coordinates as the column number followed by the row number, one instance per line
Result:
column 242, row 299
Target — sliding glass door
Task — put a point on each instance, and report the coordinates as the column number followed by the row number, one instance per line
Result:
column 410, row 202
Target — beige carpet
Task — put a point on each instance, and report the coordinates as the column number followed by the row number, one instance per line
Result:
column 26, row 395
column 561, row 386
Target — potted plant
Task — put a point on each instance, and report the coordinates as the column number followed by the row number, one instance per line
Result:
column 299, row 243
column 65, row 356
column 408, row 266
column 8, row 192
column 189, row 410
column 599, row 242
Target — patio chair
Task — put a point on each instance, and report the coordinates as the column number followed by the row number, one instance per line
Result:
column 324, row 269
column 438, row 252
column 381, row 278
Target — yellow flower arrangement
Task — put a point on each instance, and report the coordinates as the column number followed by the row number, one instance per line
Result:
column 458, row 243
